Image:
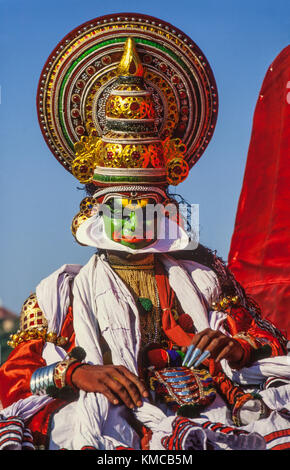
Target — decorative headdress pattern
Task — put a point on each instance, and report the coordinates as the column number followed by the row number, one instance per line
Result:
column 127, row 100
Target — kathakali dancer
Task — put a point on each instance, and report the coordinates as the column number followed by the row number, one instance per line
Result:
column 152, row 344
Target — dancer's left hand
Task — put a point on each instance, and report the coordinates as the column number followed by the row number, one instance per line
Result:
column 213, row 344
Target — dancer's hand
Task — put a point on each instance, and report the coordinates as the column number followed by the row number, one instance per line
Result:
column 117, row 383
column 213, row 344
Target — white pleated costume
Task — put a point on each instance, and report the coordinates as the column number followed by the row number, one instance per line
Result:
column 102, row 303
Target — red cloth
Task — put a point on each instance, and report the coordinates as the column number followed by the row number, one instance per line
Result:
column 240, row 320
column 67, row 331
column 259, row 254
column 40, row 422
column 16, row 372
column 166, row 295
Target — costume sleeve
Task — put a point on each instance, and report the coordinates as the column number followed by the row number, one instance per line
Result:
column 16, row 372
column 15, row 375
column 25, row 358
column 258, row 337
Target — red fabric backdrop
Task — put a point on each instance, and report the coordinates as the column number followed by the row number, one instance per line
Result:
column 260, row 248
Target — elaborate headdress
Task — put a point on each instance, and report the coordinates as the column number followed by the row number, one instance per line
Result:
column 127, row 99
column 127, row 103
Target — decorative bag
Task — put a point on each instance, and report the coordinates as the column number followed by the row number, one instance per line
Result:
column 186, row 391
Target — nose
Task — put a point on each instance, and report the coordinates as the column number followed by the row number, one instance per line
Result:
column 133, row 221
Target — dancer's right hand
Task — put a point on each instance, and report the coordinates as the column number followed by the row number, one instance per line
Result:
column 117, row 383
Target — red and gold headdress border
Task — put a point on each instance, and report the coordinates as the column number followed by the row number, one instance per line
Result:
column 77, row 99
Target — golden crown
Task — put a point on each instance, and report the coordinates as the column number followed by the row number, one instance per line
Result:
column 127, row 99
column 131, row 139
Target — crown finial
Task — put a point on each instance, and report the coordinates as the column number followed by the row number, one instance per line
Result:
column 130, row 63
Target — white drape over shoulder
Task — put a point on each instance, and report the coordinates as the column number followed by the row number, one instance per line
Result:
column 103, row 304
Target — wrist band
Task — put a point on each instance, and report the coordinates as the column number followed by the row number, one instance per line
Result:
column 246, row 337
column 61, row 370
column 70, row 370
column 245, row 359
column 42, row 379
column 55, row 378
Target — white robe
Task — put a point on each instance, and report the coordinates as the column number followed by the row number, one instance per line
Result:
column 102, row 303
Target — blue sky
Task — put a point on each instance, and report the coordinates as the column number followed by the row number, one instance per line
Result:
column 39, row 198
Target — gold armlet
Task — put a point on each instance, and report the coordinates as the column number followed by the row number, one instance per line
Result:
column 33, row 325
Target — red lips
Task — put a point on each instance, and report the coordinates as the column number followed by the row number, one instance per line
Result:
column 117, row 237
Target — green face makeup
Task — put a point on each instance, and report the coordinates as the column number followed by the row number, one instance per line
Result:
column 126, row 222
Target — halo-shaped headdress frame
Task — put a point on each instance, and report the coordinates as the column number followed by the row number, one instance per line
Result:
column 78, row 77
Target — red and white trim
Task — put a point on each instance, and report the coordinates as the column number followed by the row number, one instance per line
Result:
column 14, row 435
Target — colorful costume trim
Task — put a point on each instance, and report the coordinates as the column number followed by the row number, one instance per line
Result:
column 14, row 435
column 181, row 387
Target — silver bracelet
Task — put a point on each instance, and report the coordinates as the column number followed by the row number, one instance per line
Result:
column 41, row 379
column 50, row 380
